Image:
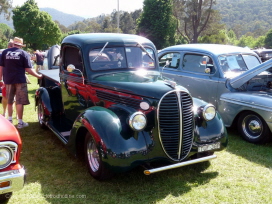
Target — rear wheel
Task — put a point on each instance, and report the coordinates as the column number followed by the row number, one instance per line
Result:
column 94, row 159
column 253, row 128
column 41, row 115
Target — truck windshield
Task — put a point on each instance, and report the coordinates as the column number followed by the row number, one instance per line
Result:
column 121, row 58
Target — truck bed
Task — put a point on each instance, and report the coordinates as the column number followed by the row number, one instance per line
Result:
column 52, row 74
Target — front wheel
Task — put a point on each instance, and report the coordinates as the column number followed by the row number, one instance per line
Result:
column 253, row 128
column 94, row 159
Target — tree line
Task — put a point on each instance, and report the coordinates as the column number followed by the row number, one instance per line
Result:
column 164, row 22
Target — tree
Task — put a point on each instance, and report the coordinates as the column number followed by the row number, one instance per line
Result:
column 194, row 17
column 5, row 5
column 6, row 33
column 268, row 39
column 219, row 38
column 247, row 41
column 157, row 23
column 36, row 27
column 127, row 24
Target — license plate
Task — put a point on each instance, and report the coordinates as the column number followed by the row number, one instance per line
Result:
column 209, row 147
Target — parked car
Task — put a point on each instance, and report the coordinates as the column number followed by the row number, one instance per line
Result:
column 51, row 58
column 229, row 77
column 12, row 173
column 108, row 102
column 264, row 54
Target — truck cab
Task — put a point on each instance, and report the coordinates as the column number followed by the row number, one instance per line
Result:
column 109, row 104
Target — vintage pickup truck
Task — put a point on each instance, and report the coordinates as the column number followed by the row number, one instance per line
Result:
column 108, row 103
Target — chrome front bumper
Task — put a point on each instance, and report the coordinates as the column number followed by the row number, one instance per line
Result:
column 15, row 178
column 155, row 170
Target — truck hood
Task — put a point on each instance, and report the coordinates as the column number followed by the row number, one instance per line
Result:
column 149, row 83
column 238, row 81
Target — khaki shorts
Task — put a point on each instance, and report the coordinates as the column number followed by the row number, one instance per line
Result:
column 19, row 91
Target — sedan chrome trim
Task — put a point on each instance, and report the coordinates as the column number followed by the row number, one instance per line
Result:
column 246, row 104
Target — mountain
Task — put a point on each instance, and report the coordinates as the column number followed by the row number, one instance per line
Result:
column 63, row 18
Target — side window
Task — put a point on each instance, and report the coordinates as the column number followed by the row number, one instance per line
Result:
column 72, row 56
column 170, row 60
column 198, row 63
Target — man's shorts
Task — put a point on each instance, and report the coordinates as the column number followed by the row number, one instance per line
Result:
column 40, row 63
column 19, row 91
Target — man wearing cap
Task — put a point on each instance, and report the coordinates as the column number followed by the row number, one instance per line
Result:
column 14, row 63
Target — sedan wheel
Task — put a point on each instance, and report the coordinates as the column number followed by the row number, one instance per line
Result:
column 253, row 128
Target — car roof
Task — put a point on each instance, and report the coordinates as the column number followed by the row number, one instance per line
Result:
column 216, row 49
column 99, row 39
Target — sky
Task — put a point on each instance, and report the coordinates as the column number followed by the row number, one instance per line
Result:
column 87, row 8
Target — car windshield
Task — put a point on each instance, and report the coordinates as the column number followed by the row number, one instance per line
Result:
column 233, row 65
column 121, row 58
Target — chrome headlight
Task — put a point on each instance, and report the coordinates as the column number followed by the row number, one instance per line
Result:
column 209, row 112
column 137, row 121
column 6, row 156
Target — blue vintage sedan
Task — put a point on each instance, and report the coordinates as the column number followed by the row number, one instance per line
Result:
column 232, row 78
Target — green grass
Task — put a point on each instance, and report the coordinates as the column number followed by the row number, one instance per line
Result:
column 240, row 174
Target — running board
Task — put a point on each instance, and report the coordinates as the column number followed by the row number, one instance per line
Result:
column 194, row 161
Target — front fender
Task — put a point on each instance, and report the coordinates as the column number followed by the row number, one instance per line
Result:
column 207, row 132
column 121, row 148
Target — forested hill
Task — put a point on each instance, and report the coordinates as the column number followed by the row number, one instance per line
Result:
column 246, row 15
column 63, row 18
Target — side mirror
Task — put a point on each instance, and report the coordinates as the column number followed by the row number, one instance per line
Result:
column 72, row 69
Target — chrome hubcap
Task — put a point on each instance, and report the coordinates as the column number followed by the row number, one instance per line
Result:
column 93, row 156
column 40, row 113
column 252, row 126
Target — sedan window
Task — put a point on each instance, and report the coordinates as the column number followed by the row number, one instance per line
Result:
column 170, row 60
column 198, row 63
column 237, row 63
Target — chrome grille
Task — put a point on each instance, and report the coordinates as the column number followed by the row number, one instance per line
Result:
column 175, row 117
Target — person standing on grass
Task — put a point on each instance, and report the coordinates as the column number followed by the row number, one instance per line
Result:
column 4, row 98
column 39, row 60
column 14, row 63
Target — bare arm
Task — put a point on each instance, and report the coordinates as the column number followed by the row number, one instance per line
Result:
column 33, row 73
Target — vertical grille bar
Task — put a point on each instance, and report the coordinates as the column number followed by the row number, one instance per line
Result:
column 175, row 118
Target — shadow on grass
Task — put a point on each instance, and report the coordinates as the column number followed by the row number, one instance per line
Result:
column 257, row 153
column 49, row 164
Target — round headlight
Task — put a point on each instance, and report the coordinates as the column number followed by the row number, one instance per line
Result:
column 6, row 155
column 209, row 112
column 137, row 121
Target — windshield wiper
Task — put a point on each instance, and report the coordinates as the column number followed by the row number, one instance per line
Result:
column 100, row 51
column 142, row 47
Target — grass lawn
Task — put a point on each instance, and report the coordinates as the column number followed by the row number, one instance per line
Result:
column 240, row 174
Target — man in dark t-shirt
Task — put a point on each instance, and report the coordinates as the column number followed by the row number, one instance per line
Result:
column 39, row 60
column 13, row 65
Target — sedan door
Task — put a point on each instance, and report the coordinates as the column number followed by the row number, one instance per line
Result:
column 195, row 71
